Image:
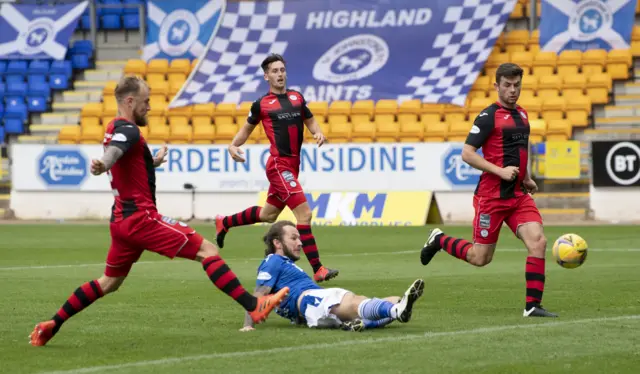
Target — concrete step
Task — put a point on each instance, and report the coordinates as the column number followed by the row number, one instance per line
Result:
column 616, row 111
column 60, row 118
column 83, row 96
column 67, row 107
column 627, row 100
column 38, row 139
column 562, row 200
column 627, row 88
column 564, row 185
column 619, row 122
column 102, row 75
column 44, row 130
column 565, row 215
column 84, row 85
column 111, row 64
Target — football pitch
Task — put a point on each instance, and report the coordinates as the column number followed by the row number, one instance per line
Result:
column 169, row 318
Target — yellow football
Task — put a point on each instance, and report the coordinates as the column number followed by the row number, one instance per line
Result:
column 570, row 251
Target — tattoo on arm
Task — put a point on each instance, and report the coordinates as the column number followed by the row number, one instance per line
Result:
column 111, row 155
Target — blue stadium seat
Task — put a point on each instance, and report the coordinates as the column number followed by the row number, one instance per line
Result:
column 13, row 126
column 111, row 22
column 132, row 10
column 36, row 78
column 3, row 90
column 61, row 67
column 39, row 67
column 82, row 46
column 13, row 78
column 131, row 21
column 1, row 110
column 18, row 67
column 58, row 81
column 39, row 89
column 18, row 111
column 3, row 67
column 16, row 89
column 37, row 104
column 80, row 61
column 115, row 11
column 1, row 135
column 85, row 22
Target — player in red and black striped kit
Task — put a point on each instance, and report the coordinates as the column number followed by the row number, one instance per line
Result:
column 136, row 224
column 503, row 193
column 283, row 113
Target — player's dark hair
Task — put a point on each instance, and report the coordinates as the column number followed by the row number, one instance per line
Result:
column 508, row 70
column 275, row 232
column 271, row 59
column 128, row 85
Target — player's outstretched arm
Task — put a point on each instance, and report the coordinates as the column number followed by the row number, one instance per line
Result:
column 248, row 322
column 160, row 156
column 315, row 129
column 111, row 155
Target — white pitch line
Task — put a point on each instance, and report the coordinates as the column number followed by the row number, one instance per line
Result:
column 522, row 250
column 352, row 342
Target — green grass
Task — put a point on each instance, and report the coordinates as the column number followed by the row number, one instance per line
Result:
column 169, row 318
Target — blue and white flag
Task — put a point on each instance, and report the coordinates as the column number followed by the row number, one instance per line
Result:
column 37, row 31
column 180, row 29
column 586, row 24
column 350, row 49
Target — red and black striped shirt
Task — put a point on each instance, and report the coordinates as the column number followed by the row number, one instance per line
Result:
column 133, row 176
column 282, row 117
column 503, row 135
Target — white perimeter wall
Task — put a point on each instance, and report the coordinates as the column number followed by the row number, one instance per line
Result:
column 615, row 204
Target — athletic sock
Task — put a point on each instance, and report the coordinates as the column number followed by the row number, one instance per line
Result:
column 375, row 309
column 455, row 247
column 309, row 246
column 369, row 324
column 81, row 298
column 534, row 274
column 248, row 216
column 222, row 276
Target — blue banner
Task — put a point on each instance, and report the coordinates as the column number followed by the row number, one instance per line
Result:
column 37, row 31
column 350, row 49
column 586, row 24
column 180, row 29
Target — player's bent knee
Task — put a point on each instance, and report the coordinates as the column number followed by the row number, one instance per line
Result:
column 303, row 214
column 207, row 249
column 480, row 255
column 269, row 217
column 110, row 284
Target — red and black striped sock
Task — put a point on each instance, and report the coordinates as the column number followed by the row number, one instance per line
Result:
column 309, row 246
column 248, row 216
column 455, row 247
column 222, row 276
column 534, row 274
column 81, row 298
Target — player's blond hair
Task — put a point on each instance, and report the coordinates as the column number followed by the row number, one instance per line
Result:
column 128, row 85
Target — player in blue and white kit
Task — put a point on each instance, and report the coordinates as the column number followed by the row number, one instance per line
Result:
column 316, row 306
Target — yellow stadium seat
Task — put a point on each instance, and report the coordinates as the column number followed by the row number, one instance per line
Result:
column 410, row 107
column 69, row 134
column 324, row 127
column 549, row 86
column 363, row 107
column 454, row 113
column 428, row 118
column 320, row 110
column 386, row 106
column 578, row 109
column 386, row 132
column 574, row 85
column 458, row 131
column 244, row 108
column 360, row 118
column 337, row 118
column 340, row 107
column 241, row 119
column 157, row 121
column 175, row 86
column 178, row 121
column 529, row 85
column 568, row 62
column 384, row 118
column 483, row 83
column 477, row 94
column 363, row 132
column 518, row 11
column 158, row 134
column 618, row 63
column 558, row 129
column 339, row 132
column 91, row 110
column 635, row 41
column 135, row 67
column 144, row 131
column 179, row 111
column 435, row 132
column 477, row 106
column 180, row 134
column 154, row 77
column 176, row 77
column 407, row 117
column 594, row 61
column 203, row 134
column 524, row 60
column 495, row 60
column 499, row 46
column 432, row 108
column 411, row 132
column 158, row 88
column 158, row 66
column 109, row 106
column 225, row 109
column 180, row 66
column 225, row 133
column 92, row 135
column 197, row 121
column 158, row 105
column 538, row 129
column 598, row 88
column 534, row 41
column 224, row 120
column 105, row 120
column 109, row 89
column 89, row 121
column 553, row 108
column 256, row 135
column 204, row 110
column 544, row 63
column 533, row 106
column 493, row 95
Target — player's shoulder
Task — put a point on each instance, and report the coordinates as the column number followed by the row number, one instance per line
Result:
column 121, row 122
column 295, row 93
column 272, row 260
column 521, row 109
column 265, row 96
column 487, row 114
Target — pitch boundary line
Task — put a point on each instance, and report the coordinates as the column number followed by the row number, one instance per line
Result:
column 36, row 267
column 352, row 342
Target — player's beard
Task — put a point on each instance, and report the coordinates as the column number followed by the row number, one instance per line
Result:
column 288, row 252
column 140, row 120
